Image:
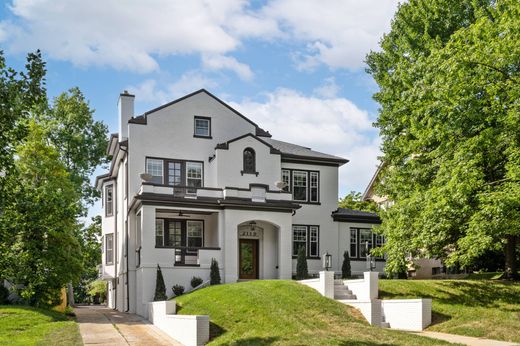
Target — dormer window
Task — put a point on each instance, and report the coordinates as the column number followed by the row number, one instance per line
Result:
column 249, row 161
column 202, row 127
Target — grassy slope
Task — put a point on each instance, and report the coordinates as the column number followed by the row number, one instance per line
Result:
column 21, row 325
column 285, row 313
column 483, row 308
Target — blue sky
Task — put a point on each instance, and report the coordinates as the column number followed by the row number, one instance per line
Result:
column 295, row 67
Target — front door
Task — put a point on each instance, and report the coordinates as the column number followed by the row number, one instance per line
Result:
column 248, row 259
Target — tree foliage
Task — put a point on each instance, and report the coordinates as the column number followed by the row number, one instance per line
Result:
column 354, row 201
column 346, row 271
column 302, row 271
column 41, row 252
column 160, row 287
column 80, row 140
column 449, row 88
column 89, row 239
column 214, row 273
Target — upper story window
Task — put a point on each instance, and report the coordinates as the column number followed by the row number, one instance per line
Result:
column 177, row 173
column 193, row 176
column 249, row 161
column 154, row 167
column 304, row 185
column 202, row 127
column 109, row 200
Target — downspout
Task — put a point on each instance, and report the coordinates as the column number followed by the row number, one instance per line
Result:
column 125, row 192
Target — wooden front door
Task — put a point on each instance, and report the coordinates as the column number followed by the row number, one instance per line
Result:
column 248, row 259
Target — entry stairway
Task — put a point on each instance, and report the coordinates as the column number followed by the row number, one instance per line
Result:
column 344, row 295
column 362, row 294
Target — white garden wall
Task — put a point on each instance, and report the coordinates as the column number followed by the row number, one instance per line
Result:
column 190, row 330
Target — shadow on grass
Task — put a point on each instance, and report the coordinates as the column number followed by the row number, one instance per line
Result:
column 56, row 316
column 255, row 341
column 215, row 330
column 482, row 293
column 438, row 317
column 363, row 343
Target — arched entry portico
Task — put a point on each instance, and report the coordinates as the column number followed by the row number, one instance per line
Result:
column 258, row 247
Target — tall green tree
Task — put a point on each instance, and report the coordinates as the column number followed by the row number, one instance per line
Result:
column 21, row 94
column 80, row 140
column 91, row 249
column 449, row 88
column 42, row 252
column 354, row 201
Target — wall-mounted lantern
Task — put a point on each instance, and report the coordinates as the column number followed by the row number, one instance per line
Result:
column 371, row 260
column 327, row 261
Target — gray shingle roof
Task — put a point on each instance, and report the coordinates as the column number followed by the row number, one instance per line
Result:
column 294, row 150
column 352, row 215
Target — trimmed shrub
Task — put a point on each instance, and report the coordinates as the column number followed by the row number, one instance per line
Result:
column 178, row 290
column 214, row 276
column 301, row 265
column 160, row 288
column 4, row 295
column 345, row 268
column 195, row 281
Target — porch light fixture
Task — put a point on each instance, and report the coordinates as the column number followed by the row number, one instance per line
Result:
column 327, row 261
column 252, row 224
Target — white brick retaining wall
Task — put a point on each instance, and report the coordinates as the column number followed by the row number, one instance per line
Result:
column 407, row 314
column 190, row 330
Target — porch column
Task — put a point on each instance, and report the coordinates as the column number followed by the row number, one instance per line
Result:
column 230, row 248
column 284, row 253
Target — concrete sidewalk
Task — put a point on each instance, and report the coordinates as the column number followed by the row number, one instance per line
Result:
column 465, row 340
column 102, row 326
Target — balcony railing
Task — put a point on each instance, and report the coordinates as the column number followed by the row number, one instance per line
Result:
column 189, row 256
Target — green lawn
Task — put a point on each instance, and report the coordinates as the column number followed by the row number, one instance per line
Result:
column 483, row 308
column 21, row 325
column 285, row 313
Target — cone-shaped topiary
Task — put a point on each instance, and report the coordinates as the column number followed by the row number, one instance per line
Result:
column 160, row 288
column 301, row 265
column 214, row 275
column 345, row 268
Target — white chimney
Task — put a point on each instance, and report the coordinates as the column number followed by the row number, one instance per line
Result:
column 125, row 105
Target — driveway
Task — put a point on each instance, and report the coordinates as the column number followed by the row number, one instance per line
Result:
column 103, row 326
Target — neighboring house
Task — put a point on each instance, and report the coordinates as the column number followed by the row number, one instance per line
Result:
column 194, row 180
column 422, row 268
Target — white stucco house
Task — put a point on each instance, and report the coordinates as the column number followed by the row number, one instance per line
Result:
column 194, row 179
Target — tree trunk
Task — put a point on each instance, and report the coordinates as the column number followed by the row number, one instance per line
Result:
column 511, row 265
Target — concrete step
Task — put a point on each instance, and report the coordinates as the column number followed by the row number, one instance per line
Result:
column 342, row 291
column 344, row 296
column 338, row 282
column 385, row 325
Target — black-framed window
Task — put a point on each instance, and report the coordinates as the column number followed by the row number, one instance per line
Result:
column 353, row 242
column 362, row 240
column 173, row 172
column 109, row 200
column 173, row 233
column 249, row 161
column 286, row 178
column 304, row 185
column 193, row 176
column 202, row 127
column 109, row 249
column 308, row 237
column 154, row 167
column 299, row 185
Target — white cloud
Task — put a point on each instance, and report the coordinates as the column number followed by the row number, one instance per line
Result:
column 220, row 62
column 339, row 33
column 154, row 93
column 131, row 35
column 329, row 88
column 332, row 125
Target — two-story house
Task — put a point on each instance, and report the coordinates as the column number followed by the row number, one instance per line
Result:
column 194, row 180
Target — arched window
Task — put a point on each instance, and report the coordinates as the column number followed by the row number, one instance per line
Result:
column 249, row 161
